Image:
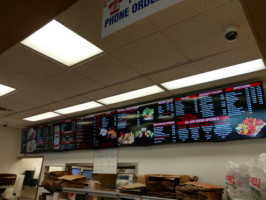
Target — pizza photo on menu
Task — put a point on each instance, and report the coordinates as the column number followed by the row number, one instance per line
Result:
column 250, row 127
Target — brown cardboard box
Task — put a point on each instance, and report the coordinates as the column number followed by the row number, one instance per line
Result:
column 199, row 191
column 73, row 181
column 140, row 179
column 182, row 178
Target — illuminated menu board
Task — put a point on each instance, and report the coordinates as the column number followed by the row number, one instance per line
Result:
column 147, row 124
column 105, row 130
column 56, row 137
column 85, row 134
column 68, row 131
column 24, row 140
column 135, row 126
column 31, row 140
column 224, row 114
column 40, row 143
column 49, row 137
column 229, row 113
column 164, row 127
column 52, row 137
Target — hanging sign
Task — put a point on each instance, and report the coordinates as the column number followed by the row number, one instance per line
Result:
column 118, row 14
column 105, row 161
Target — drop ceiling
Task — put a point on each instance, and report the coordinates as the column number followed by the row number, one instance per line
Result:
column 182, row 40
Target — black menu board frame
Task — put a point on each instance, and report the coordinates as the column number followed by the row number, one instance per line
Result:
column 215, row 120
column 211, row 117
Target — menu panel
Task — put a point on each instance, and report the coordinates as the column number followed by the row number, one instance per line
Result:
column 135, row 125
column 49, row 137
column 85, row 135
column 164, row 125
column 56, row 137
column 24, row 139
column 40, row 139
column 224, row 114
column 246, row 110
column 105, row 130
column 147, row 124
column 68, row 135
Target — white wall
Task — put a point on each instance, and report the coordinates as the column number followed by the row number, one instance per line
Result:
column 9, row 148
column 206, row 160
column 32, row 164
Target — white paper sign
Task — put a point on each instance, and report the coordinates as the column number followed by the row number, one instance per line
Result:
column 118, row 14
column 105, row 161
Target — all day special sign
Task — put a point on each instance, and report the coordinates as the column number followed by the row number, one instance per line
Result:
column 118, row 14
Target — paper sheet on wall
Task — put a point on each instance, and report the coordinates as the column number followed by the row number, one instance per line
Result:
column 105, row 161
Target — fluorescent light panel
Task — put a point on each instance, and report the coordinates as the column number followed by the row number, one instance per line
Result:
column 131, row 95
column 218, row 74
column 78, row 108
column 41, row 116
column 5, row 89
column 60, row 43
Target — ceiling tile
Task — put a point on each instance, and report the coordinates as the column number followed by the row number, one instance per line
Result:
column 15, row 79
column 100, row 94
column 132, row 85
column 49, row 91
column 13, row 105
column 29, row 113
column 27, row 19
column 106, row 70
column 154, row 97
column 73, row 82
column 27, row 99
column 85, row 112
column 53, row 106
column 221, row 60
column 149, row 54
column 11, row 120
column 14, row 122
column 52, row 7
column 30, row 63
column 5, row 44
column 73, row 101
column 85, row 18
column 175, row 14
column 123, row 104
column 203, row 35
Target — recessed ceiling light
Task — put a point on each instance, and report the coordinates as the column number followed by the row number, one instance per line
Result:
column 77, row 108
column 131, row 95
column 5, row 89
column 60, row 43
column 41, row 116
column 218, row 74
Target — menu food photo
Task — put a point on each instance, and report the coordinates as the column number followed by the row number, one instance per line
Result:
column 105, row 128
column 229, row 113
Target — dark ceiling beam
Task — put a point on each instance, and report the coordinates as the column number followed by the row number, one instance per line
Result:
column 255, row 11
column 20, row 18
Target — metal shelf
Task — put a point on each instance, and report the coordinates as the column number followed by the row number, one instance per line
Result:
column 111, row 194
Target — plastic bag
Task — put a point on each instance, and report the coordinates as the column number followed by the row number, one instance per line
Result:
column 257, row 178
column 237, row 181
